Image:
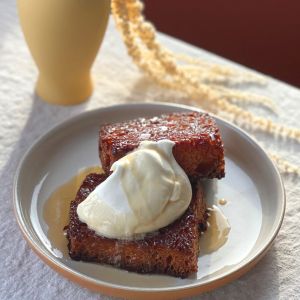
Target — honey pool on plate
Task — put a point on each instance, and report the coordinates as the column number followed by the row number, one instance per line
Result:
column 56, row 216
column 56, row 209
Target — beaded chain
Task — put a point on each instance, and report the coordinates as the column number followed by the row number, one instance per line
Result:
column 207, row 84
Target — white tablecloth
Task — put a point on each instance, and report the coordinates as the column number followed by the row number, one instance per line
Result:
column 23, row 118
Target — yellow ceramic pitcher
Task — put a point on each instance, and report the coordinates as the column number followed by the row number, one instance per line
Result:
column 64, row 37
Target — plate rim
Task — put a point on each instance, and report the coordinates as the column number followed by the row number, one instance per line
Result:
column 94, row 283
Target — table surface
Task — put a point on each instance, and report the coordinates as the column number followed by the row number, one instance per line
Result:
column 24, row 118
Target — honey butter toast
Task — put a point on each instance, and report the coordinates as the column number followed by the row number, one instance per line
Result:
column 198, row 146
column 172, row 250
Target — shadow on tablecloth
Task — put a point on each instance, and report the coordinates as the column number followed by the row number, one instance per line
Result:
column 19, row 262
column 43, row 116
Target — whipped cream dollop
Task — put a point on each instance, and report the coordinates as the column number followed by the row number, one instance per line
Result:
column 217, row 231
column 147, row 190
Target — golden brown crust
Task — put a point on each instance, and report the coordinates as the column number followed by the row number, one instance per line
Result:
column 172, row 250
column 198, row 146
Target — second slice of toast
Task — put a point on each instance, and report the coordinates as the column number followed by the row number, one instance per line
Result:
column 198, row 145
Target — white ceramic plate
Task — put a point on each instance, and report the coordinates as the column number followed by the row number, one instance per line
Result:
column 252, row 187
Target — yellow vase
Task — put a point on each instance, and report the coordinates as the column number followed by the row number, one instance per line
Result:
column 64, row 37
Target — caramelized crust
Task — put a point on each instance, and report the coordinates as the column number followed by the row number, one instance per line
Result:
column 172, row 250
column 198, row 146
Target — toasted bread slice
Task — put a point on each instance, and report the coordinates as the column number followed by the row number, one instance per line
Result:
column 172, row 250
column 198, row 146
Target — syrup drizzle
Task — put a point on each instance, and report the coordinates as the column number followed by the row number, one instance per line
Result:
column 56, row 210
column 222, row 201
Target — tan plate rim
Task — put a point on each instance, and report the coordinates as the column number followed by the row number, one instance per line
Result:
column 133, row 292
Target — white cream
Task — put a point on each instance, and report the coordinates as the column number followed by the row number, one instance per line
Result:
column 217, row 232
column 147, row 190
